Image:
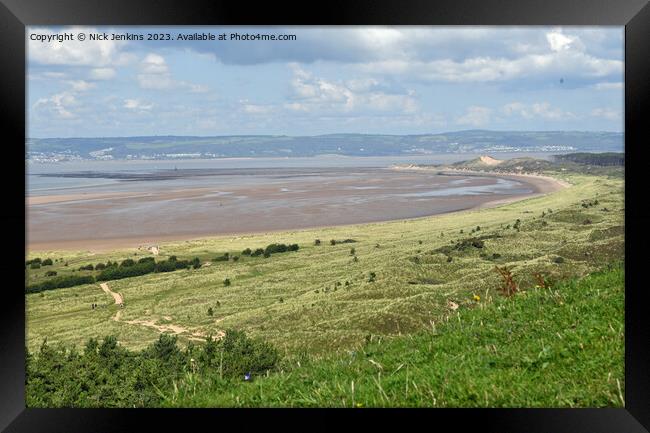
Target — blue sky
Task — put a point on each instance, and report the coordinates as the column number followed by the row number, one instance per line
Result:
column 388, row 80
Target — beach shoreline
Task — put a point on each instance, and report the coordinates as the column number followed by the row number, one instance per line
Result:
column 541, row 184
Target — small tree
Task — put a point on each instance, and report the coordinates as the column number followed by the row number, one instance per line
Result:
column 508, row 287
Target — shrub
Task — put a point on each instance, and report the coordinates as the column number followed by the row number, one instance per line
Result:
column 352, row 251
column 246, row 252
column 267, row 254
column 165, row 348
column 477, row 243
column 181, row 264
column 89, row 267
column 226, row 282
column 333, row 242
column 371, row 277
column 100, row 266
column 166, row 266
column 146, row 259
column 293, row 247
column 60, row 282
column 126, row 263
column 242, row 355
column 317, row 242
column 558, row 260
column 508, row 287
column 50, row 274
column 223, row 258
column 46, row 262
column 210, row 312
column 195, row 263
column 36, row 260
column 235, row 258
column 258, row 252
column 134, row 270
column 449, row 259
column 35, row 265
column 276, row 248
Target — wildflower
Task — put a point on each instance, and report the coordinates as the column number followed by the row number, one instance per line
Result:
column 359, row 404
column 247, row 376
column 477, row 298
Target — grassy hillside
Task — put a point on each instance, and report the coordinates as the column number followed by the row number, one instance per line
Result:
column 550, row 346
column 554, row 347
column 321, row 299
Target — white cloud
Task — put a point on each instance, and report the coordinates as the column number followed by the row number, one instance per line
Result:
column 155, row 74
column 558, row 41
column 77, row 53
column 81, row 85
column 542, row 110
column 563, row 54
column 475, row 116
column 609, row 86
column 255, row 108
column 58, row 105
column 606, row 113
column 136, row 104
column 102, row 73
column 315, row 94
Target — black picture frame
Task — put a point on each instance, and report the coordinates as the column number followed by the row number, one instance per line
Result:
column 15, row 15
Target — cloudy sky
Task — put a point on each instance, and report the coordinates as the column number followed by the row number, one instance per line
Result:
column 392, row 80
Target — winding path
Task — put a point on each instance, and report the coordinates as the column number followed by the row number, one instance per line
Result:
column 116, row 296
column 174, row 329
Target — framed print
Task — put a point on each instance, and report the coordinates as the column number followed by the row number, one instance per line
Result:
column 378, row 210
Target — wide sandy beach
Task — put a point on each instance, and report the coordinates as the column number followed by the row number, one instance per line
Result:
column 156, row 212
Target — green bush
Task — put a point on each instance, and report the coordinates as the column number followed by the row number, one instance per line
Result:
column 89, row 267
column 246, row 252
column 242, row 355
column 46, row 262
column 60, row 282
column 226, row 282
column 132, row 270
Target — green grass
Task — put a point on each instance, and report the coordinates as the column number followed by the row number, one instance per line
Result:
column 557, row 347
column 293, row 299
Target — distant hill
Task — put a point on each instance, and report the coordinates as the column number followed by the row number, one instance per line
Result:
column 600, row 159
column 168, row 147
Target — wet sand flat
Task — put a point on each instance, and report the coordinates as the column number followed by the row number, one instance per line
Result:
column 156, row 211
